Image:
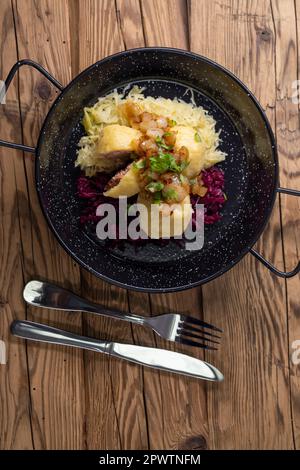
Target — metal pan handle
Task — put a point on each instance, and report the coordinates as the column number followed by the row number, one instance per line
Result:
column 5, row 87
column 270, row 266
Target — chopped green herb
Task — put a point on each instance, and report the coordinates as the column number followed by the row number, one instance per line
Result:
column 162, row 144
column 160, row 163
column 182, row 166
column 139, row 165
column 156, row 198
column 174, row 166
column 197, row 137
column 166, row 147
column 154, row 186
column 166, row 162
column 182, row 178
column 172, row 122
column 170, row 194
column 167, row 134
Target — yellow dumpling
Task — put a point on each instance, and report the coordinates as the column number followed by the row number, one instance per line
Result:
column 185, row 137
column 116, row 138
column 170, row 220
column 124, row 183
column 114, row 146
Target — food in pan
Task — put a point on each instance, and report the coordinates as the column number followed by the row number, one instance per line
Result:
column 156, row 151
column 125, row 182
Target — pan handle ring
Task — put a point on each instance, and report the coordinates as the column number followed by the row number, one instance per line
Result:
column 5, row 87
column 270, row 266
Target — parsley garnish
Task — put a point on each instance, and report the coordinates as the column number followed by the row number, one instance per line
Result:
column 157, row 198
column 182, row 179
column 162, row 144
column 170, row 193
column 161, row 162
column 166, row 162
column 139, row 165
column 154, row 186
column 197, row 137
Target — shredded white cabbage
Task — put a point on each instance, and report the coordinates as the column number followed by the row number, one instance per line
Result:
column 106, row 111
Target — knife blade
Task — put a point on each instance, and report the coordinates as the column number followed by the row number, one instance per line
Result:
column 162, row 359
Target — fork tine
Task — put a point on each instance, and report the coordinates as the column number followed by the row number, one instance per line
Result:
column 184, row 332
column 189, row 342
column 196, row 321
column 190, row 327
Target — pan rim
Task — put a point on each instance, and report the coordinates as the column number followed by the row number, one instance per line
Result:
column 274, row 154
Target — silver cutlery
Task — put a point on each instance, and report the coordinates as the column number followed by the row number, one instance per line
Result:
column 151, row 357
column 171, row 326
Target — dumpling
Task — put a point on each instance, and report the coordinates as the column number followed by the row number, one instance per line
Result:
column 123, row 183
column 185, row 137
column 116, row 138
column 172, row 220
column 114, row 146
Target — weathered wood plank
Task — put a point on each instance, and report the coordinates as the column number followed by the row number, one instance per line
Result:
column 14, row 387
column 127, row 406
column 56, row 374
column 165, row 23
column 285, row 16
column 167, row 397
column 115, row 403
column 130, row 23
column 254, row 401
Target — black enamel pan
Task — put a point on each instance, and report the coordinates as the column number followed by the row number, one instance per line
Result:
column 251, row 168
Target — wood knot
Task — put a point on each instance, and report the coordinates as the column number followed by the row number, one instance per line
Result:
column 43, row 90
column 194, row 443
column 265, row 34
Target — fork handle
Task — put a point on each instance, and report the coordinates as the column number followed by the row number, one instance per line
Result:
column 47, row 295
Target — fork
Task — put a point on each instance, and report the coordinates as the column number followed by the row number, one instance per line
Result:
column 171, row 326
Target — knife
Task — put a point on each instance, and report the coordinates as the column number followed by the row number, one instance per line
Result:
column 162, row 359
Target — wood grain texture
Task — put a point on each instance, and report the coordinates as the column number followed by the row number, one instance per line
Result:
column 14, row 386
column 115, row 414
column 56, row 374
column 291, row 245
column 52, row 397
column 251, row 303
column 183, row 400
column 286, row 26
column 165, row 23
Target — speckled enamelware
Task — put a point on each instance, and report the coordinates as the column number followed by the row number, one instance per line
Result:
column 251, row 169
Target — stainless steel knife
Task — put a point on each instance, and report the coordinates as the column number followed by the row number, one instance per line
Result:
column 151, row 357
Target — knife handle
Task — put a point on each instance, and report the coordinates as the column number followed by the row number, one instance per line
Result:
column 48, row 334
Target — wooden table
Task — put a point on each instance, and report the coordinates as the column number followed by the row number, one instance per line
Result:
column 55, row 398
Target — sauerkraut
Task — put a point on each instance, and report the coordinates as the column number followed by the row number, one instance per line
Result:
column 108, row 111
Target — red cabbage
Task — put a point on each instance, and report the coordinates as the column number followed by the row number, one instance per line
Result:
column 214, row 199
column 90, row 191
